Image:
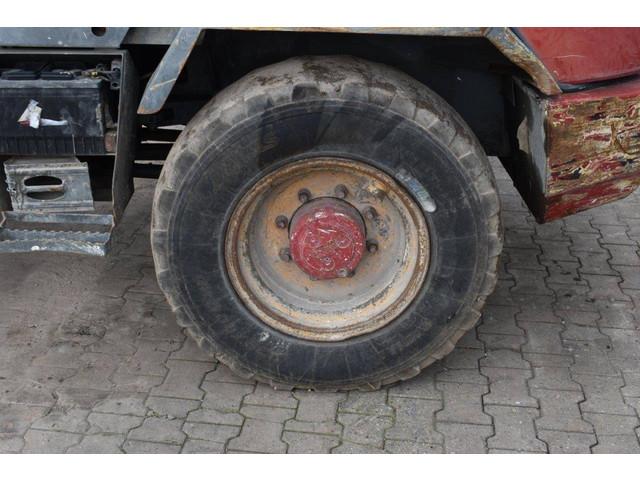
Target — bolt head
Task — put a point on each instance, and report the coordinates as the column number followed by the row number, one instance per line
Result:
column 282, row 221
column 344, row 273
column 372, row 246
column 285, row 254
column 341, row 191
column 370, row 213
column 304, row 195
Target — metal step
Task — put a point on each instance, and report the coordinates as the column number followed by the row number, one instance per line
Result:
column 41, row 232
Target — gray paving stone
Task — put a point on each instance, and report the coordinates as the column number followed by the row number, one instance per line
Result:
column 463, row 358
column 183, row 380
column 309, row 443
column 112, row 423
column 567, row 442
column 210, row 432
column 553, row 378
column 158, row 430
column 617, row 444
column 364, row 429
column 508, row 387
column 99, row 443
column 500, row 320
column 11, row 443
column 171, row 407
column 606, row 424
column 87, row 364
column 504, row 359
column 560, row 410
column 366, row 403
column 514, row 429
column 16, row 418
column 530, row 282
column 603, row 395
column 465, row 438
column 202, row 446
column 423, row 386
column 414, row 420
column 464, row 375
column 543, row 338
column 123, row 403
column 259, row 436
column 268, row 396
column 136, row 446
column 463, row 404
column 41, row 441
column 499, row 342
column 72, row 420
column 407, row 447
column 349, row 447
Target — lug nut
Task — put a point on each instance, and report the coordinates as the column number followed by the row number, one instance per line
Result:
column 370, row 213
column 282, row 221
column 343, row 273
column 341, row 191
column 372, row 246
column 304, row 195
column 285, row 254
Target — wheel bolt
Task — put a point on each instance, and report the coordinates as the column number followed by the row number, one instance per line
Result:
column 304, row 195
column 282, row 221
column 372, row 246
column 285, row 254
column 344, row 273
column 341, row 191
column 370, row 213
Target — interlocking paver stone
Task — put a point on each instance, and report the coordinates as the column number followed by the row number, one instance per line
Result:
column 97, row 363
column 567, row 442
column 464, row 437
column 514, row 429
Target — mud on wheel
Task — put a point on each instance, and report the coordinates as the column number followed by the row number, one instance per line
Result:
column 326, row 223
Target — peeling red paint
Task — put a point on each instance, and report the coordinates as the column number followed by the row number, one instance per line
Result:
column 595, row 158
column 590, row 147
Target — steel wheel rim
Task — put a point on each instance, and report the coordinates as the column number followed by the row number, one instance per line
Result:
column 282, row 295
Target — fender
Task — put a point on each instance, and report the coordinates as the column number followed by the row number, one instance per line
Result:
column 504, row 39
column 168, row 70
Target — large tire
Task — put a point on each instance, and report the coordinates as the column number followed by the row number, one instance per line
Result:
column 318, row 106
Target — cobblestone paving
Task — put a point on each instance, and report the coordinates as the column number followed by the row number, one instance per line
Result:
column 91, row 359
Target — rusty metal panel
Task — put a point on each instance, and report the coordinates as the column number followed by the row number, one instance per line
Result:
column 166, row 74
column 591, row 148
column 62, row 37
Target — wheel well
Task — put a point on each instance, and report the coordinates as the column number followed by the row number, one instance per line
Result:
column 468, row 72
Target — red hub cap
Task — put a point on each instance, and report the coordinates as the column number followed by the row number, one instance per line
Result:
column 327, row 237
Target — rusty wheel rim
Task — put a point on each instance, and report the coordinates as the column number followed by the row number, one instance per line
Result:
column 283, row 295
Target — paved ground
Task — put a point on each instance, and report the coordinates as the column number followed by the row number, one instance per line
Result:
column 92, row 361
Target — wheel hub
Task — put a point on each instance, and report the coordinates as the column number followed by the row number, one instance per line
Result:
column 327, row 249
column 327, row 238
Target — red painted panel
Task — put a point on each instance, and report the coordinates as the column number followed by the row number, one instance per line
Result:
column 583, row 55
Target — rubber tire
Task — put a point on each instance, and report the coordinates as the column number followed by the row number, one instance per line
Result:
column 311, row 106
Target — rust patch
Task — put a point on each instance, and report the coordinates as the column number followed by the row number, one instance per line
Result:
column 580, row 149
column 588, row 155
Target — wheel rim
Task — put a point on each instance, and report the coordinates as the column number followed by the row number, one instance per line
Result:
column 326, row 249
